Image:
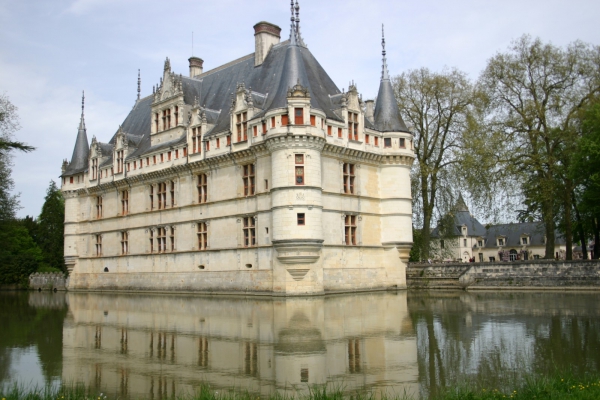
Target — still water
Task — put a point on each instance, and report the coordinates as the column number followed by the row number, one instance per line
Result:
column 154, row 346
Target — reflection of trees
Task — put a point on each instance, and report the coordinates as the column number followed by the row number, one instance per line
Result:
column 28, row 323
column 494, row 339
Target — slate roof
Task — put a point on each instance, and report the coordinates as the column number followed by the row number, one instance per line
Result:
column 79, row 159
column 287, row 64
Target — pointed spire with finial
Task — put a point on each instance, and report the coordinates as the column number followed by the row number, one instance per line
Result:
column 384, row 72
column 139, row 85
column 79, row 159
column 293, row 37
column 298, row 35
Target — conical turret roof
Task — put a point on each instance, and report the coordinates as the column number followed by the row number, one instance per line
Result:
column 81, row 152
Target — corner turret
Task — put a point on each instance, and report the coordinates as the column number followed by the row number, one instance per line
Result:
column 79, row 159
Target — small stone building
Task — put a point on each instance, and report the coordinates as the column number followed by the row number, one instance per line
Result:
column 260, row 175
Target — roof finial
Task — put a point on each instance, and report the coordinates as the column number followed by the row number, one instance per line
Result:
column 139, row 84
column 82, row 121
column 384, row 73
column 298, row 35
column 292, row 26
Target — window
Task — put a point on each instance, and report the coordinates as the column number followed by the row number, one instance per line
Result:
column 218, row 143
column 248, row 179
column 512, row 255
column 176, row 115
column 153, row 159
column 298, row 116
column 172, row 238
column 95, row 168
column 352, row 126
column 176, row 154
column 272, row 122
column 242, row 126
column 98, row 245
column 255, row 130
column 128, row 167
column 202, row 236
column 350, row 230
column 151, row 240
column 266, row 184
column 156, row 122
column 387, row 142
column 124, row 243
column 169, row 156
column 202, row 188
column 376, row 141
column 500, row 242
column 299, row 174
column 172, row 194
column 402, row 143
column 196, row 139
column 185, row 151
column 300, row 218
column 285, row 120
column 249, row 231
column 348, row 171
column 329, row 130
column 313, row 120
column 339, row 132
column 480, row 257
column 480, row 243
column 162, row 157
column 71, row 180
column 228, row 140
column 367, row 139
column 124, row 202
column 492, row 259
column 464, row 242
column 264, row 128
column 524, row 240
column 161, row 239
column 120, row 161
column 162, row 195
column 98, row 206
column 207, row 145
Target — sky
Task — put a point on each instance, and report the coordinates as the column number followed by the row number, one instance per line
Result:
column 52, row 50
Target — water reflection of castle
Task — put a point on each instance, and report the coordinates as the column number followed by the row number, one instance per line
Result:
column 156, row 346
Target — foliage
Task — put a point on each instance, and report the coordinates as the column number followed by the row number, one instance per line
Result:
column 19, row 254
column 51, row 227
column 417, row 247
column 9, row 123
column 533, row 93
column 437, row 107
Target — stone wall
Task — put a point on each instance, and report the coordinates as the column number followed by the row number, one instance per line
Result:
column 535, row 274
column 47, row 281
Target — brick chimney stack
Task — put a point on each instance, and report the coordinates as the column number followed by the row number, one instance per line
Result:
column 195, row 66
column 266, row 35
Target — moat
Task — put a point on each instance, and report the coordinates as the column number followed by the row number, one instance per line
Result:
column 154, row 346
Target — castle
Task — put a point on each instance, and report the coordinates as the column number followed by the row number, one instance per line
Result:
column 259, row 176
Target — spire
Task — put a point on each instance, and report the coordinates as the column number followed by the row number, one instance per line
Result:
column 384, row 70
column 295, row 37
column 139, row 85
column 460, row 204
column 386, row 117
column 79, row 159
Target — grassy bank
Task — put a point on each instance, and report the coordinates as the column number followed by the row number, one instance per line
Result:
column 556, row 387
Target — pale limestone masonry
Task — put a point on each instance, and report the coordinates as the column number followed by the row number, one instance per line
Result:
column 258, row 176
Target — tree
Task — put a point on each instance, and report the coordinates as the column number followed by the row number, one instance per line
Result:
column 437, row 106
column 9, row 123
column 534, row 93
column 50, row 229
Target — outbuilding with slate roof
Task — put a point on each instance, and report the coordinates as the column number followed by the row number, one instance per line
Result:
column 258, row 176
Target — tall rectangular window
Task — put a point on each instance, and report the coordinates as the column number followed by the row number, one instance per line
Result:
column 176, row 115
column 228, row 140
column 249, row 231
column 285, row 120
column 151, row 241
column 202, row 188
column 242, row 126
column 298, row 116
column 98, row 206
column 218, row 143
column 350, row 230
column 300, row 218
column 95, row 168
column 172, row 238
column 352, row 126
column 248, row 179
column 125, row 202
column 124, row 243
column 329, row 130
column 367, row 139
column 162, row 195
column 339, row 132
column 376, row 141
column 172, row 193
column 120, row 161
column 151, row 197
column 98, row 245
column 348, row 177
column 161, row 239
column 264, row 128
column 299, row 169
column 208, row 145
column 402, row 143
column 255, row 130
column 169, row 156
column 313, row 120
column 185, row 151
column 387, row 142
column 196, row 139
column 202, row 236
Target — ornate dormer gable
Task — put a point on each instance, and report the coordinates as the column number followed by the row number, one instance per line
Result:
column 201, row 122
column 242, row 110
column 169, row 110
column 525, row 239
column 352, row 113
column 298, row 101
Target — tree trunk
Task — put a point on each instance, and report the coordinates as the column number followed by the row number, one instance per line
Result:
column 548, row 217
column 580, row 230
column 567, row 220
column 596, row 225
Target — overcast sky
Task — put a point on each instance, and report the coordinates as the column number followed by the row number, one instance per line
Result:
column 51, row 50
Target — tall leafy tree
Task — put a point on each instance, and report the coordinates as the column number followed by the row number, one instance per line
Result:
column 50, row 228
column 437, row 106
column 534, row 92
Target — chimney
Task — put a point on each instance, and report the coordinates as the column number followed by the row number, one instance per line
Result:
column 195, row 66
column 266, row 35
column 370, row 109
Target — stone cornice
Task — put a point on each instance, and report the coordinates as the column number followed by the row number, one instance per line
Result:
column 283, row 142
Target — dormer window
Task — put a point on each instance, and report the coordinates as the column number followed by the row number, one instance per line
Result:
column 156, row 122
column 298, row 116
column 120, row 155
column 94, row 168
column 500, row 242
column 352, row 126
column 525, row 240
column 176, row 115
column 480, row 243
column 196, row 136
column 166, row 119
column 242, row 126
column 464, row 230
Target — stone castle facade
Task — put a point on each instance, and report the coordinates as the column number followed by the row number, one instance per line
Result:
column 258, row 176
